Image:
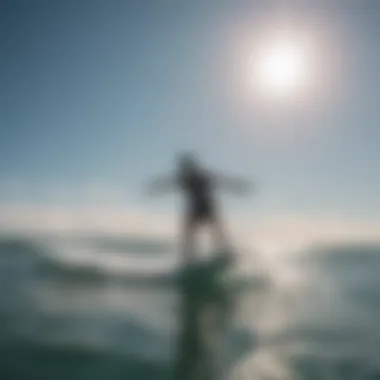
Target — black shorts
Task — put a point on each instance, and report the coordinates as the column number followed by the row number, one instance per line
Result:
column 201, row 212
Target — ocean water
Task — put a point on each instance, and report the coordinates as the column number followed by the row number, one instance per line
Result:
column 114, row 308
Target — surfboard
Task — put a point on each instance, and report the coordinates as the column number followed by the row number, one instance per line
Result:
column 211, row 276
column 218, row 276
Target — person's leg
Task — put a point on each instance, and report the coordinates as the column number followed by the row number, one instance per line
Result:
column 188, row 241
column 220, row 237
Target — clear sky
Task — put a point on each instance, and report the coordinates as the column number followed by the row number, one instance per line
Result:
column 107, row 92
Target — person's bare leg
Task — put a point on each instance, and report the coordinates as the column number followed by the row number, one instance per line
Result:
column 188, row 241
column 220, row 237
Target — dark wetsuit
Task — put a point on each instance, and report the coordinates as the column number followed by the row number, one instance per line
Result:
column 198, row 190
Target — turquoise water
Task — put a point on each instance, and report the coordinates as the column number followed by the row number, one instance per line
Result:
column 94, row 308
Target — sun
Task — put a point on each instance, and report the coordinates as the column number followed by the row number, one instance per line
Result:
column 280, row 68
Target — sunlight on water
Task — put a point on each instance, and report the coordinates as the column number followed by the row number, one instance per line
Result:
column 306, row 314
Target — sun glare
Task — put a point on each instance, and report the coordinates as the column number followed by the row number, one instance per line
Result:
column 280, row 68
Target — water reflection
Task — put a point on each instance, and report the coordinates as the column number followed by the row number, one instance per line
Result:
column 205, row 310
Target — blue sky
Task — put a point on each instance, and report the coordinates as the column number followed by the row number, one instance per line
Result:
column 108, row 93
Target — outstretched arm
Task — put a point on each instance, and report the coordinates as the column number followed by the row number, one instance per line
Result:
column 161, row 185
column 233, row 184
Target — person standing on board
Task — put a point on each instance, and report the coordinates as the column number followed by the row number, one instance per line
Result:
column 198, row 186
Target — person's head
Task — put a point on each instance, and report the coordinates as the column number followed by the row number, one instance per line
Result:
column 187, row 163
